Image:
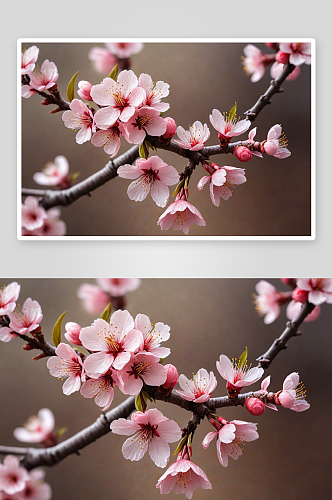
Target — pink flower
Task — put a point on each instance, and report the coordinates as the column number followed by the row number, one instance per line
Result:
column 120, row 98
column 172, row 377
column 28, row 60
column 293, row 394
column 80, row 117
column 254, row 406
column 84, row 90
column 183, row 476
column 154, row 92
column 101, row 389
column 73, row 331
column 299, row 52
column 276, row 143
column 267, row 301
column 13, row 477
column 319, row 289
column 110, row 139
column 253, row 62
column 264, row 385
column 228, row 127
column 67, row 364
column 237, row 376
column 52, row 226
column 103, row 61
column 8, row 297
column 113, row 343
column 152, row 175
column 142, row 368
column 276, row 70
column 27, row 91
column 221, row 182
column 199, row 388
column 117, row 287
column 195, row 138
column 45, row 78
column 35, row 488
column 123, row 50
column 37, row 429
column 230, row 438
column 54, row 173
column 180, row 214
column 28, row 319
column 152, row 431
column 94, row 298
column 33, row 215
column 170, row 128
column 294, row 308
column 144, row 121
column 153, row 335
column 6, row 334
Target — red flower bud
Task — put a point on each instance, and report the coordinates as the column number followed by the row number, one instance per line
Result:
column 282, row 57
column 300, row 295
column 170, row 128
column 254, row 406
column 242, row 153
column 172, row 377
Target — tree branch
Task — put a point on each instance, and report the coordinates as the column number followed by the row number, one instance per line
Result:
column 13, row 450
column 280, row 343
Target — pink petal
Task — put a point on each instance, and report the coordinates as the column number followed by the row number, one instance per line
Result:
column 159, row 451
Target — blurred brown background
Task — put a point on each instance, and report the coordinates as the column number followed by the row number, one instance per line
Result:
column 207, row 317
column 275, row 201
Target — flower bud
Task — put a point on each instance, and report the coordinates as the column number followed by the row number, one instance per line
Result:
column 254, row 406
column 84, row 90
column 242, row 153
column 27, row 347
column 170, row 128
column 172, row 377
column 73, row 331
column 282, row 57
column 300, row 295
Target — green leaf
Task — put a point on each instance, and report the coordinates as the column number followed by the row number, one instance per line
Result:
column 178, row 187
column 186, row 183
column 140, row 402
column 114, row 73
column 147, row 396
column 232, row 113
column 189, row 439
column 56, row 335
column 74, row 176
column 106, row 314
column 243, row 358
column 143, row 150
column 61, row 432
column 71, row 88
column 181, row 445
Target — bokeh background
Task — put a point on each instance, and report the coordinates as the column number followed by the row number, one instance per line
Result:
column 275, row 200
column 208, row 317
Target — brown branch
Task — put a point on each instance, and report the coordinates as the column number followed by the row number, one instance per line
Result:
column 280, row 343
column 274, row 88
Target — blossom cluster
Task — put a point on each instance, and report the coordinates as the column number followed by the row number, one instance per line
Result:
column 36, row 221
column 316, row 291
column 17, row 483
column 255, row 61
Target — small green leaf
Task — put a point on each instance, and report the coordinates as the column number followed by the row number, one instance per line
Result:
column 114, row 73
column 56, row 335
column 140, row 402
column 232, row 113
column 180, row 445
column 71, row 88
column 74, row 176
column 143, row 150
column 178, row 188
column 61, row 432
column 186, row 183
column 147, row 396
column 243, row 358
column 189, row 439
column 106, row 314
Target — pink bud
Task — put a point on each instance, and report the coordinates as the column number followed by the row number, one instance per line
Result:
column 300, row 295
column 294, row 74
column 73, row 331
column 172, row 377
column 282, row 57
column 254, row 406
column 242, row 153
column 170, row 128
column 215, row 166
column 84, row 90
column 27, row 347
